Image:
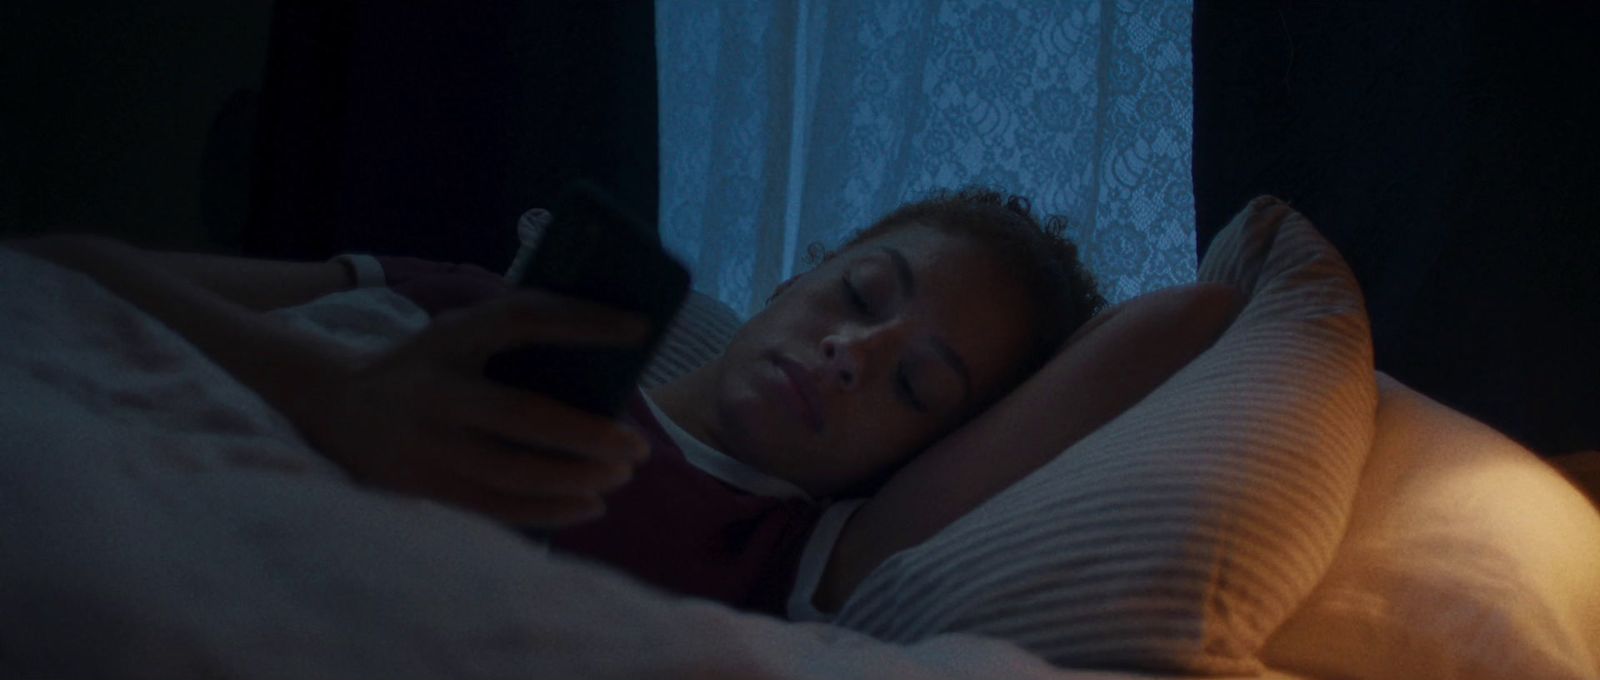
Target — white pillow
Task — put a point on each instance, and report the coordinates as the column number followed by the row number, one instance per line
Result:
column 1181, row 534
column 1467, row 557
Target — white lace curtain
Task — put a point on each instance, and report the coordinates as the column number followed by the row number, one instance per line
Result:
column 788, row 123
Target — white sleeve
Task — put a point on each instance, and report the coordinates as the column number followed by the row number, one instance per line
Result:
column 364, row 269
column 814, row 559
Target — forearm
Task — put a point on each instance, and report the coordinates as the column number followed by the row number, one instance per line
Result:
column 252, row 283
column 288, row 368
column 258, row 284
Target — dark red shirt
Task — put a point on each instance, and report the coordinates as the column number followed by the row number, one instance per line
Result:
column 679, row 528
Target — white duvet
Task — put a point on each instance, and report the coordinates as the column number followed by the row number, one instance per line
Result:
column 158, row 520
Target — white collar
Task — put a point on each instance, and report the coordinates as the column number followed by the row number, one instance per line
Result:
column 721, row 465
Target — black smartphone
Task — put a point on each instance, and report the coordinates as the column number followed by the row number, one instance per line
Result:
column 594, row 250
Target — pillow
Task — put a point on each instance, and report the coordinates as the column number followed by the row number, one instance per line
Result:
column 1181, row 534
column 700, row 331
column 1583, row 468
column 1467, row 557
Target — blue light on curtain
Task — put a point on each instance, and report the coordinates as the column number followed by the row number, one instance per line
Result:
column 785, row 124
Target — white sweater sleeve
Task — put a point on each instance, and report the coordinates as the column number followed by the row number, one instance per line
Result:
column 364, row 270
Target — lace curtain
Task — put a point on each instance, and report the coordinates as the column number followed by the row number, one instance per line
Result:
column 790, row 123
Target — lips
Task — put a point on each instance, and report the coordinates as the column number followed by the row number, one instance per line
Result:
column 803, row 388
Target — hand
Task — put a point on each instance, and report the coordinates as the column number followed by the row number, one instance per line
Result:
column 422, row 419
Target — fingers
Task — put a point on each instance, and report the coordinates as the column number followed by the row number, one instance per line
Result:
column 448, row 433
column 539, row 422
column 538, row 317
column 519, row 471
column 524, row 486
column 507, row 482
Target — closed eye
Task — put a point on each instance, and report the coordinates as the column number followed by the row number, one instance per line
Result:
column 853, row 295
column 903, row 385
column 902, row 380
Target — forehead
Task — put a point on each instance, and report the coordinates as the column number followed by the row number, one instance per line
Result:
column 963, row 293
column 947, row 265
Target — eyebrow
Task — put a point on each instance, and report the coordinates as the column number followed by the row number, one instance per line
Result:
column 908, row 285
column 902, row 270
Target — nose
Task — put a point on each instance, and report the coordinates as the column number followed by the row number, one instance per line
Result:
column 851, row 355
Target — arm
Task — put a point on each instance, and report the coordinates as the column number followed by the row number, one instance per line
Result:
column 209, row 301
column 1124, row 354
column 255, row 284
column 419, row 418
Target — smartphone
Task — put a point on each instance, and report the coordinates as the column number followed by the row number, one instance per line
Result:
column 594, row 250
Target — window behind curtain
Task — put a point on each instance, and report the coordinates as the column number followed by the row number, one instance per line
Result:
column 787, row 124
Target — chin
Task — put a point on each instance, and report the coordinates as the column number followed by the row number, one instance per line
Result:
column 755, row 430
column 745, row 424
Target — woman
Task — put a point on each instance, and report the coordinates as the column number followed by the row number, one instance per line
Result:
column 914, row 327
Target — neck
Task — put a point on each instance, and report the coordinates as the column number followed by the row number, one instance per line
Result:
column 690, row 401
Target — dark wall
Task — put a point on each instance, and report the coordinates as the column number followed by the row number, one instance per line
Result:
column 427, row 128
column 1450, row 151
column 129, row 118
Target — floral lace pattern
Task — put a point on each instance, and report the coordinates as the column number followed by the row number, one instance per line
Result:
column 787, row 124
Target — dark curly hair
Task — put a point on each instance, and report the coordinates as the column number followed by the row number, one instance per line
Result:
column 1062, row 292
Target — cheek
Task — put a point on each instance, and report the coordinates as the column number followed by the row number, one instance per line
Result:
column 877, row 438
column 773, row 327
column 741, row 403
column 756, row 426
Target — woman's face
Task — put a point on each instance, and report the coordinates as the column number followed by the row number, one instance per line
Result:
column 868, row 358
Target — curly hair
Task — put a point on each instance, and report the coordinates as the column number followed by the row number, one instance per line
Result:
column 1062, row 293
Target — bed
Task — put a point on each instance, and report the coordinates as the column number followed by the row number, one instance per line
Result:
column 1280, row 510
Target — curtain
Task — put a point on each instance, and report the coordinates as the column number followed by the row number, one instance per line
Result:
column 785, row 124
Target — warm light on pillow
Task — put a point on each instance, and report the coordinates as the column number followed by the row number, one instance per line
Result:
column 1467, row 557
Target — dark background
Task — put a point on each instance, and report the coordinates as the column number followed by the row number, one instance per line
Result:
column 128, row 117
column 1449, row 149
column 305, row 128
column 1452, row 152
column 428, row 128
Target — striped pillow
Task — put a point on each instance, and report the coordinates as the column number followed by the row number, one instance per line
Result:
column 1181, row 534
column 700, row 331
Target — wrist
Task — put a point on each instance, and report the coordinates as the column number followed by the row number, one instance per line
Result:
column 307, row 380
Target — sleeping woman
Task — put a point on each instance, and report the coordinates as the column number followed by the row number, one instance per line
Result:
column 826, row 437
